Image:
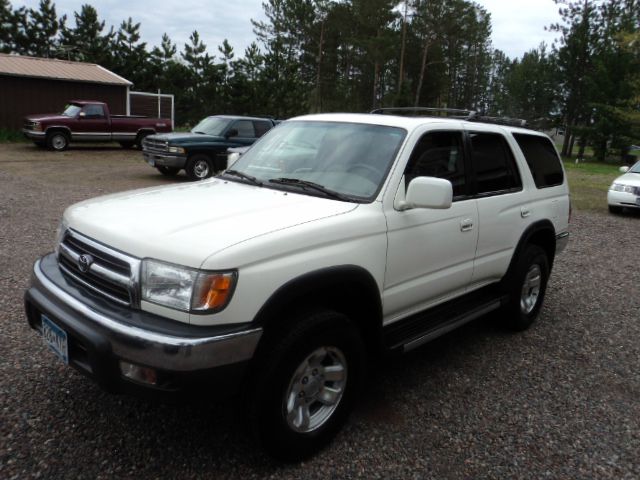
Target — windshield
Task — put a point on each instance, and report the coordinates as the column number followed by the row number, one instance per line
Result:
column 635, row 168
column 71, row 110
column 211, row 126
column 346, row 159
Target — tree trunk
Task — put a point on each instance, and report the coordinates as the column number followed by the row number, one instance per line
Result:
column 404, row 41
column 423, row 68
column 376, row 82
column 318, row 76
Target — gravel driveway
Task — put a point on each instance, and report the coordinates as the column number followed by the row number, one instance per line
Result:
column 561, row 400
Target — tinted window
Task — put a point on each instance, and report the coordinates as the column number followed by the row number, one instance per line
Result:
column 261, row 127
column 245, row 129
column 94, row 111
column 439, row 154
column 542, row 159
column 493, row 163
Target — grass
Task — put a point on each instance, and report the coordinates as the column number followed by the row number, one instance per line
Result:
column 11, row 136
column 589, row 182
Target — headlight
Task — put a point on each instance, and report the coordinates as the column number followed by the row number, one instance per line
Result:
column 176, row 150
column 620, row 187
column 60, row 231
column 37, row 126
column 186, row 289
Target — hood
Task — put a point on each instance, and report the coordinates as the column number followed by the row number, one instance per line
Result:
column 629, row 179
column 50, row 117
column 183, row 138
column 186, row 224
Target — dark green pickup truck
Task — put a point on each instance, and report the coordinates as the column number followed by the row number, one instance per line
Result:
column 203, row 151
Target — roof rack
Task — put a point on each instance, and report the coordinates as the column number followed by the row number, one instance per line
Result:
column 512, row 122
column 430, row 111
column 468, row 115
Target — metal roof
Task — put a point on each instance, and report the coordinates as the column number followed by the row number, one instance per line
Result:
column 22, row 66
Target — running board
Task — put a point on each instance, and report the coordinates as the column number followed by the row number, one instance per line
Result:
column 419, row 329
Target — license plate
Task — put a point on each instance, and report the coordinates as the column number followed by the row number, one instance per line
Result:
column 55, row 338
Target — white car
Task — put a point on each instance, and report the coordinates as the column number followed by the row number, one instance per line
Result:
column 335, row 238
column 624, row 192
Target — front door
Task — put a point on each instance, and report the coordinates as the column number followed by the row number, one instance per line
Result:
column 92, row 124
column 431, row 252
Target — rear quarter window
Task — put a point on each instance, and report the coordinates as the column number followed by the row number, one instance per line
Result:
column 542, row 159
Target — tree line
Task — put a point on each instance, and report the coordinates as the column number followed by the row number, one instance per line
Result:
column 356, row 55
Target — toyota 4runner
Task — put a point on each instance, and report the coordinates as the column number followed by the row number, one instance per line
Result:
column 335, row 238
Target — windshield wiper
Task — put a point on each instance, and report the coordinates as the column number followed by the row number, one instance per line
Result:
column 304, row 184
column 244, row 176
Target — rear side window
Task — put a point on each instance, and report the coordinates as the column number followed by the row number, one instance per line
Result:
column 493, row 163
column 261, row 127
column 542, row 159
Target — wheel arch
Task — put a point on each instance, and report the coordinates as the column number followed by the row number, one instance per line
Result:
column 542, row 234
column 58, row 128
column 348, row 289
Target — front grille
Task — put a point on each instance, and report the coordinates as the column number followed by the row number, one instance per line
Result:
column 109, row 273
column 29, row 124
column 155, row 145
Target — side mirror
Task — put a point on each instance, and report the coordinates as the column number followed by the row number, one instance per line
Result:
column 624, row 169
column 82, row 114
column 232, row 133
column 428, row 192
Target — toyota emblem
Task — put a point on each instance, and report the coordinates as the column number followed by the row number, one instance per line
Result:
column 84, row 262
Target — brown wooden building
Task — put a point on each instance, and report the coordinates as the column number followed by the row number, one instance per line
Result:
column 31, row 85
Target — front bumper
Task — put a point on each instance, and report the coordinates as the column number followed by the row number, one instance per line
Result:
column 101, row 334
column 33, row 135
column 156, row 159
column 623, row 199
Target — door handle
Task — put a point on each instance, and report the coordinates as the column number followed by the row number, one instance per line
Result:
column 525, row 212
column 466, row 225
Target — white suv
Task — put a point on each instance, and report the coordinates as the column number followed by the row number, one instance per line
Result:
column 334, row 239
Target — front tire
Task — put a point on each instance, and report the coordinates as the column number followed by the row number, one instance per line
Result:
column 305, row 383
column 58, row 141
column 199, row 167
column 526, row 289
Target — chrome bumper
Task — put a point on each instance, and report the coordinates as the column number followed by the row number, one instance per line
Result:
column 33, row 135
column 164, row 351
column 164, row 160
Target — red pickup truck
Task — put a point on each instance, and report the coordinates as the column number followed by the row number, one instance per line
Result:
column 89, row 121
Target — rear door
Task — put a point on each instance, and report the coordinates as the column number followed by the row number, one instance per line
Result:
column 431, row 252
column 503, row 204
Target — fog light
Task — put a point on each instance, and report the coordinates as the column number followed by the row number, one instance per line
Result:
column 138, row 373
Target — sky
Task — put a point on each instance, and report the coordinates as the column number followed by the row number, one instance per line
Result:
column 518, row 25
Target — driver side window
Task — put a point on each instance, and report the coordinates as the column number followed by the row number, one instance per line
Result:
column 93, row 111
column 439, row 154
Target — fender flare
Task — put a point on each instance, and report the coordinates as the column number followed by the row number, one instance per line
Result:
column 356, row 294
column 540, row 233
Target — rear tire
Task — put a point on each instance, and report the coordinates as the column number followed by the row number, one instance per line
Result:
column 526, row 288
column 168, row 171
column 304, row 385
column 199, row 167
column 614, row 209
column 58, row 141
